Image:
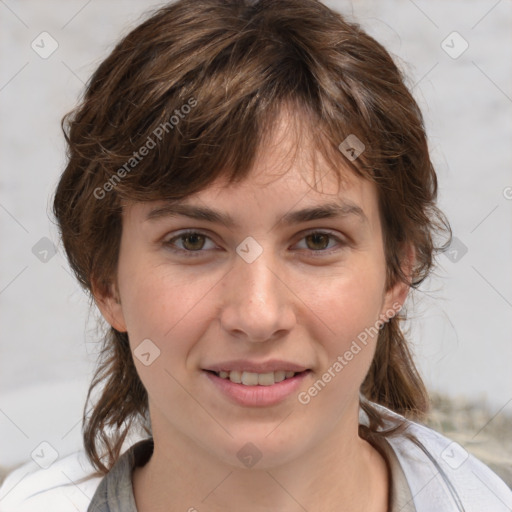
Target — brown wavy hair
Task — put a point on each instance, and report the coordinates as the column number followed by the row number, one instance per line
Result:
column 199, row 84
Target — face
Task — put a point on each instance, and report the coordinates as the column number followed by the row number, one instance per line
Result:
column 276, row 295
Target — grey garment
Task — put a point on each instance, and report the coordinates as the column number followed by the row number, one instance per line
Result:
column 115, row 491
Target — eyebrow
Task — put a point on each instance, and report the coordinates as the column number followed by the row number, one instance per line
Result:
column 324, row 211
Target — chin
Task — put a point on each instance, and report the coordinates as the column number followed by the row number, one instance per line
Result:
column 261, row 449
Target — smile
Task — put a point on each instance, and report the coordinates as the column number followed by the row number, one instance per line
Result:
column 252, row 389
column 256, row 379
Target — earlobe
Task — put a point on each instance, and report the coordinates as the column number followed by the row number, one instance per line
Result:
column 108, row 301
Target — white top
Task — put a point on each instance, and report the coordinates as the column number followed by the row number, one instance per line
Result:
column 467, row 485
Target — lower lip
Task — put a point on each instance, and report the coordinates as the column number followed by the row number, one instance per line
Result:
column 257, row 396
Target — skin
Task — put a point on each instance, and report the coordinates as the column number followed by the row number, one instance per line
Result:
column 294, row 302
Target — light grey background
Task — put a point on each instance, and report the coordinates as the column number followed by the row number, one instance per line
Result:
column 462, row 319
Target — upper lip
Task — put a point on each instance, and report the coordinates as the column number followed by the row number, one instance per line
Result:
column 244, row 365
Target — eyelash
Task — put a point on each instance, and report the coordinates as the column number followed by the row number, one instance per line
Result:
column 198, row 253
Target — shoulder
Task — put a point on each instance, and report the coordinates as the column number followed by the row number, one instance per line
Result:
column 443, row 476
column 68, row 484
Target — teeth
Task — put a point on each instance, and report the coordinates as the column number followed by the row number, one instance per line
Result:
column 249, row 379
column 279, row 376
column 255, row 379
column 235, row 376
column 265, row 379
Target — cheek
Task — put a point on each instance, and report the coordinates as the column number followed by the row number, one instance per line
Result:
column 350, row 310
column 161, row 304
column 350, row 303
column 161, row 309
column 144, row 307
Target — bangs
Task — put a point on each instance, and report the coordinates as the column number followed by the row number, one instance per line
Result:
column 192, row 117
column 192, row 157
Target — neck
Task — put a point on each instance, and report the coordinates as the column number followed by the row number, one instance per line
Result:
column 343, row 472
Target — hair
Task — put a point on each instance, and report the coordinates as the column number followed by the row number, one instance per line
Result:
column 198, row 85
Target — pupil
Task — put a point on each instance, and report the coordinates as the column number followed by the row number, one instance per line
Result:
column 315, row 238
column 193, row 237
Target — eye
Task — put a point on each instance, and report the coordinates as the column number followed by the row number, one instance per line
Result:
column 193, row 242
column 318, row 242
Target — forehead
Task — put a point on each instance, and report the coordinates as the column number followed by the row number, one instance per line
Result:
column 257, row 204
column 290, row 177
column 288, row 152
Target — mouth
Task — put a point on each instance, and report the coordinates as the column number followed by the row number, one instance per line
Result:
column 256, row 385
column 256, row 379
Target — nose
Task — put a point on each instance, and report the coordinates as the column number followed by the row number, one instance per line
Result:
column 257, row 303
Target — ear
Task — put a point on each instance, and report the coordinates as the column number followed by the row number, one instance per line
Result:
column 396, row 295
column 108, row 301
